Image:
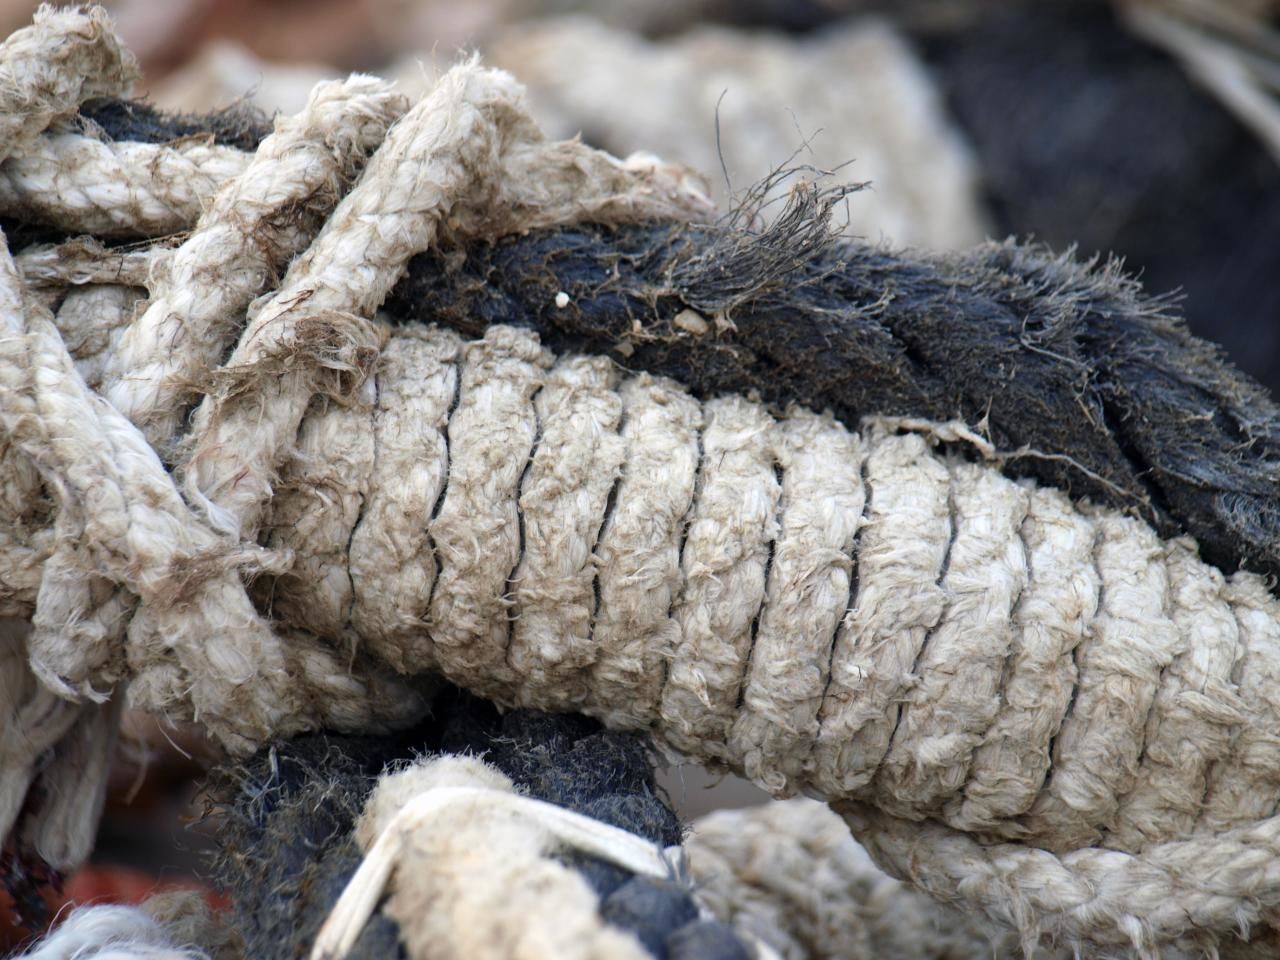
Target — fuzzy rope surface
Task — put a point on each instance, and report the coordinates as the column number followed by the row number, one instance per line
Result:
column 789, row 873
column 49, row 68
column 901, row 699
column 456, row 845
column 167, row 926
column 1073, row 710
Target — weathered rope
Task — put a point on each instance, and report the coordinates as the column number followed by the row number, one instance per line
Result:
column 84, row 261
column 120, row 510
column 1032, row 738
column 257, row 223
column 790, row 874
column 1075, row 712
column 467, row 152
column 759, row 607
column 805, row 308
column 287, row 830
column 80, row 183
column 1069, row 369
column 168, row 926
column 32, row 721
column 109, row 933
column 48, row 69
column 93, row 319
column 1198, row 892
column 455, row 844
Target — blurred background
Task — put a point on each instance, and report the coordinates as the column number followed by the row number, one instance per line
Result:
column 1148, row 129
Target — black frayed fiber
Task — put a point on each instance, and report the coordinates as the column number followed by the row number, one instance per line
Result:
column 1080, row 379
column 286, row 850
column 240, row 125
column 1087, row 135
column 286, row 818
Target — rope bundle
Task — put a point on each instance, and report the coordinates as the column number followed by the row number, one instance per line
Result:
column 1031, row 707
column 474, row 871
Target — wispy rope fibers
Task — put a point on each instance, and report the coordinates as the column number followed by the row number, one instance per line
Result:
column 270, row 511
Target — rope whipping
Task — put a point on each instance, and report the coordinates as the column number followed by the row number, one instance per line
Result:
column 1033, row 707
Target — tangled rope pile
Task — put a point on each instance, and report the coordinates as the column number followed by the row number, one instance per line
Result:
column 1028, row 706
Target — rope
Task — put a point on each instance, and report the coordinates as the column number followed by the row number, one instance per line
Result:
column 455, row 845
column 49, row 68
column 790, row 874
column 989, row 620
column 1075, row 713
column 167, row 926
column 75, row 182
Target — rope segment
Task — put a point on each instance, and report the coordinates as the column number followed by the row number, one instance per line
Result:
column 1031, row 707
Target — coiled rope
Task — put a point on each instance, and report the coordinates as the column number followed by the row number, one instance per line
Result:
column 1031, row 707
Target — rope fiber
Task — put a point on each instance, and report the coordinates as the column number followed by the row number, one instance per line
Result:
column 234, row 490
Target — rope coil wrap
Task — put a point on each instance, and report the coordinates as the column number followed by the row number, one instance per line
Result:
column 1028, row 706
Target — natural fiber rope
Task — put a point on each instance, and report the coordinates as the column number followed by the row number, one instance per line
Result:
column 258, row 222
column 996, row 612
column 469, row 869
column 953, row 655
column 48, row 69
column 76, row 182
column 789, row 873
column 974, row 742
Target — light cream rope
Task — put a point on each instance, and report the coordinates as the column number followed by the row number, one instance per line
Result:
column 49, row 68
column 789, row 873
column 255, row 224
column 1047, row 691
column 76, row 182
column 468, row 865
column 83, row 261
column 957, row 733
column 167, row 926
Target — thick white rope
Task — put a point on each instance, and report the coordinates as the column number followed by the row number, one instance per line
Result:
column 84, row 261
column 465, row 159
column 93, row 319
column 48, row 69
column 469, row 868
column 254, row 225
column 119, row 512
column 962, row 733
column 168, row 926
column 76, row 182
column 851, row 613
column 1197, row 893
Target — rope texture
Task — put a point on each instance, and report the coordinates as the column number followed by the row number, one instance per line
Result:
column 789, row 873
column 177, row 925
column 471, row 876
column 1075, row 713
